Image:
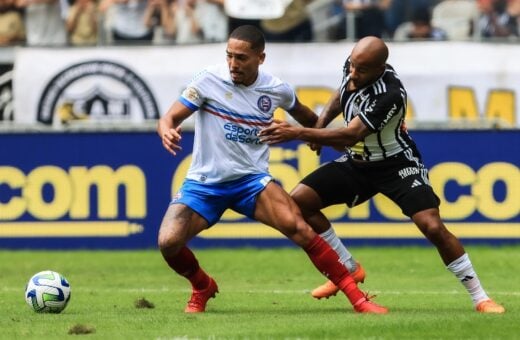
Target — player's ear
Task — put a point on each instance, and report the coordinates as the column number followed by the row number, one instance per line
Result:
column 261, row 58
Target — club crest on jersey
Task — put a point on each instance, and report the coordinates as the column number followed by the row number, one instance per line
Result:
column 264, row 103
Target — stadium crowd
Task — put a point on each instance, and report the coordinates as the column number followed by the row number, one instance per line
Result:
column 103, row 22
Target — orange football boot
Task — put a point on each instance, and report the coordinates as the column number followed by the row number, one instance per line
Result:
column 366, row 306
column 199, row 298
column 490, row 306
column 329, row 289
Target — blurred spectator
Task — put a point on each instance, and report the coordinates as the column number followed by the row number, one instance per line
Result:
column 369, row 16
column 187, row 27
column 158, row 18
column 513, row 8
column 126, row 21
column 420, row 28
column 455, row 17
column 294, row 25
column 44, row 22
column 338, row 30
column 494, row 20
column 82, row 23
column 214, row 20
column 12, row 29
column 188, row 21
column 401, row 11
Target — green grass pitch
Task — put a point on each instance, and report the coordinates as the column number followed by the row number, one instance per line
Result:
column 264, row 294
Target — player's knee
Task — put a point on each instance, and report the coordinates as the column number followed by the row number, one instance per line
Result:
column 298, row 198
column 289, row 226
column 436, row 232
column 307, row 199
column 169, row 243
column 300, row 232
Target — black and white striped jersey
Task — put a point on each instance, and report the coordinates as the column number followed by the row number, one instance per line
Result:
column 382, row 107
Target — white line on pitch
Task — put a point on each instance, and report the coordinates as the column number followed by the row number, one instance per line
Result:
column 262, row 291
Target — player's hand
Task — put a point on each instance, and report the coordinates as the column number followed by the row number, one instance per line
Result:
column 279, row 131
column 171, row 139
column 315, row 147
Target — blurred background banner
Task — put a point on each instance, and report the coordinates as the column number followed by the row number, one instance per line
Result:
column 103, row 190
column 447, row 82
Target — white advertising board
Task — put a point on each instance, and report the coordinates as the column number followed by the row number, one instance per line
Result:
column 444, row 80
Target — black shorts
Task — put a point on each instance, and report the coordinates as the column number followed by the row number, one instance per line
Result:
column 403, row 178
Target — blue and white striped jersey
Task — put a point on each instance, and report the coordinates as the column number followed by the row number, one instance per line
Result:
column 228, row 121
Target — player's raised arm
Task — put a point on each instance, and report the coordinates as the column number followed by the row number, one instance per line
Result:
column 169, row 126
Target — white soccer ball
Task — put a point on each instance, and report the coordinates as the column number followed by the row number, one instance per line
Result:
column 47, row 292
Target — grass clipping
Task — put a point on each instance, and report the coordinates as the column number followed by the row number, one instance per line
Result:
column 143, row 303
column 82, row 329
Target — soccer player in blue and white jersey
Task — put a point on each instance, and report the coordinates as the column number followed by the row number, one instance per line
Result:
column 380, row 157
column 230, row 167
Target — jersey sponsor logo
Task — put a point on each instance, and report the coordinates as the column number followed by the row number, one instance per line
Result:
column 403, row 173
column 264, row 103
column 98, row 90
column 389, row 116
column 237, row 133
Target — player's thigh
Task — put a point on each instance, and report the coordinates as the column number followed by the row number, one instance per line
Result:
column 207, row 200
column 405, row 181
column 306, row 198
column 277, row 209
column 415, row 200
column 336, row 183
column 180, row 224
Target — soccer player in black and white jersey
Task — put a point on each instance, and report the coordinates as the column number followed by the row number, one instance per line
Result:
column 380, row 157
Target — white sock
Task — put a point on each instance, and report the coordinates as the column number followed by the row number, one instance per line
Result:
column 345, row 257
column 463, row 270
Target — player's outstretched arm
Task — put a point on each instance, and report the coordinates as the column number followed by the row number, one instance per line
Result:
column 169, row 127
column 345, row 136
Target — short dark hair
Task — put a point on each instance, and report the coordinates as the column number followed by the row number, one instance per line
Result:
column 251, row 34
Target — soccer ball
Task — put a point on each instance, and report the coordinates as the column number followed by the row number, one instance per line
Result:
column 47, row 292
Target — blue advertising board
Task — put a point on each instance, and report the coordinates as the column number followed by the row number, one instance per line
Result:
column 109, row 190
